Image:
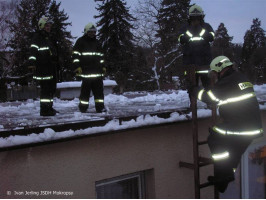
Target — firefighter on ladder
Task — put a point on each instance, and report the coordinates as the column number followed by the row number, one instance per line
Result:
column 239, row 123
column 195, row 38
column 89, row 65
column 43, row 62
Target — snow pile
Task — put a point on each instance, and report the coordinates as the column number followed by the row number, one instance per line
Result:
column 113, row 125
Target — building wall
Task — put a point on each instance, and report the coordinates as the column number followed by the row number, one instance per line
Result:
column 75, row 165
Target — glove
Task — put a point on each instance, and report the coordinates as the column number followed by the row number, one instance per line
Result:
column 104, row 70
column 208, row 37
column 184, row 39
column 78, row 71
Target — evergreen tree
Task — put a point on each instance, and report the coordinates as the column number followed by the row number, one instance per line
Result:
column 253, row 52
column 222, row 43
column 253, row 39
column 62, row 39
column 116, row 38
column 28, row 15
column 172, row 15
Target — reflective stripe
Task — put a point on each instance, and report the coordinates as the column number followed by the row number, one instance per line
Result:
column 84, row 102
column 189, row 34
column 196, row 39
column 102, row 61
column 180, row 37
column 43, row 48
column 91, row 75
column 46, row 100
column 32, row 58
column 226, row 132
column 236, row 99
column 212, row 34
column 202, row 72
column 230, row 100
column 35, row 46
column 245, row 85
column 91, row 54
column 200, row 94
column 39, row 48
column 211, row 95
column 76, row 60
column 202, row 32
column 99, row 100
column 42, row 78
column 221, row 156
column 76, row 52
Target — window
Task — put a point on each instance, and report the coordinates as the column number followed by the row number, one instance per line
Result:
column 254, row 172
column 129, row 186
column 250, row 177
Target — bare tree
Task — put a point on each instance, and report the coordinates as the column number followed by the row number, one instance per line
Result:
column 7, row 13
column 146, row 28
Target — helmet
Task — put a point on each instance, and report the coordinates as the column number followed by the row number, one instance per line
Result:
column 195, row 10
column 219, row 63
column 90, row 27
column 43, row 21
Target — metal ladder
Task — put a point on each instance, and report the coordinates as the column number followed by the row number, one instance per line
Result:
column 198, row 161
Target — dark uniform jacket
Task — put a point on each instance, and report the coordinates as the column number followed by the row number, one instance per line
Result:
column 43, row 55
column 196, row 44
column 88, row 55
column 237, row 103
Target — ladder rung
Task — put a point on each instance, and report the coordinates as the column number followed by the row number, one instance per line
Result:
column 205, row 185
column 186, row 165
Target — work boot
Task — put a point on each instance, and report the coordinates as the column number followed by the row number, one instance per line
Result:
column 102, row 110
column 82, row 108
column 48, row 112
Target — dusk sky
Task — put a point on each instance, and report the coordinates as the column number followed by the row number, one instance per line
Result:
column 237, row 15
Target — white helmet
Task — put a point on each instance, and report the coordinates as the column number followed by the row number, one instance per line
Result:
column 219, row 63
column 195, row 10
column 90, row 27
column 44, row 20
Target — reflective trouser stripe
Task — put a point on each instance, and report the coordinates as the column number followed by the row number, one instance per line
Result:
column 32, row 58
column 84, row 102
column 227, row 132
column 99, row 100
column 43, row 78
column 220, row 156
column 91, row 75
column 46, row 100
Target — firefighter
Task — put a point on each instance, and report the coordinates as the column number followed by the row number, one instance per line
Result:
column 43, row 62
column 89, row 65
column 195, row 38
column 239, row 122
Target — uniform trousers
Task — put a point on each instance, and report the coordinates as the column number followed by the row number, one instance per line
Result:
column 96, row 86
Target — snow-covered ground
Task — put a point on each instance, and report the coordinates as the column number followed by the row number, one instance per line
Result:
column 17, row 115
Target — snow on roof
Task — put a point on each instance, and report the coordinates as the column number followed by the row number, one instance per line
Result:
column 113, row 125
column 155, row 102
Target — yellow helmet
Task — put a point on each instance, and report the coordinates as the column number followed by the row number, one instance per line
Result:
column 195, row 10
column 219, row 63
column 44, row 20
column 90, row 27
